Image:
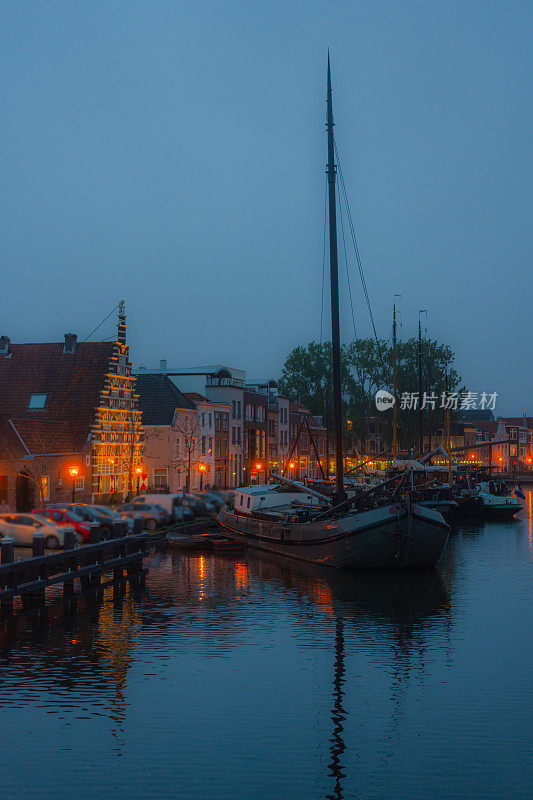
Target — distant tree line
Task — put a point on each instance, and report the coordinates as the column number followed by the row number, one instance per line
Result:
column 366, row 367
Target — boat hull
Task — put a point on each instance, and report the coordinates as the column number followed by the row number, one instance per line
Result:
column 383, row 538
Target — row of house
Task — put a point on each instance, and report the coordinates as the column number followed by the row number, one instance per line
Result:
column 78, row 422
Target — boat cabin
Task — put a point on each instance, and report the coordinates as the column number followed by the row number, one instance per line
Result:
column 266, row 498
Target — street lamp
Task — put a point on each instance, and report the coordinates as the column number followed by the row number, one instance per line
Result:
column 138, row 471
column 73, row 474
column 202, row 470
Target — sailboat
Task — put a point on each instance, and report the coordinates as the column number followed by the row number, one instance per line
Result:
column 381, row 528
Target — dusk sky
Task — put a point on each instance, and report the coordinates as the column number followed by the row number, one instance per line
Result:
column 173, row 154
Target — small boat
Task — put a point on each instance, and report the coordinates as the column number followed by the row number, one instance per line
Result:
column 379, row 528
column 223, row 544
column 497, row 500
column 191, row 543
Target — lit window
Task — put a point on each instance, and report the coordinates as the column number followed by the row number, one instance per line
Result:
column 45, row 483
column 80, row 484
column 37, row 401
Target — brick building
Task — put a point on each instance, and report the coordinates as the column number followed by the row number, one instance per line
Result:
column 65, row 407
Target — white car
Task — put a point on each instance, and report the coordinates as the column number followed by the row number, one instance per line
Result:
column 21, row 528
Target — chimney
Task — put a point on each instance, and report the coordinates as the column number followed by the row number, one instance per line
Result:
column 163, row 365
column 70, row 343
column 4, row 345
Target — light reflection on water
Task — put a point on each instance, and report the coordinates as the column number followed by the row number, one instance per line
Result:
column 256, row 677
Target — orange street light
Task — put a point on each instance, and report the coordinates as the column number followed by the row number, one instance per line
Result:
column 291, row 465
column 138, row 470
column 258, row 466
column 202, row 469
column 73, row 474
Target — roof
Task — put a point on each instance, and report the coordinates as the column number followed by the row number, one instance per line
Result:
column 194, row 398
column 517, row 422
column 159, row 398
column 72, row 383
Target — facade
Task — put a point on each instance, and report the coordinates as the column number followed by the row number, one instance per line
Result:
column 222, row 385
column 172, row 437
column 255, row 437
column 70, row 425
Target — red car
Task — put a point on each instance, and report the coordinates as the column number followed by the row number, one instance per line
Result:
column 63, row 516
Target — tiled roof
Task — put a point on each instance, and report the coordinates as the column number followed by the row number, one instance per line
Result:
column 194, row 398
column 518, row 422
column 71, row 382
column 46, row 436
column 159, row 398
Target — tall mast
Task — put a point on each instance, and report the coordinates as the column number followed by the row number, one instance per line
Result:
column 334, row 278
column 420, row 429
column 394, row 408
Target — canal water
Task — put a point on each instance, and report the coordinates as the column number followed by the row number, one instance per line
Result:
column 253, row 677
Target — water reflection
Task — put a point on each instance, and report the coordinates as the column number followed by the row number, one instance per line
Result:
column 251, row 662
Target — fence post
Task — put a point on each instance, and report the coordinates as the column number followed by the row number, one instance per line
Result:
column 69, row 543
column 38, row 545
column 37, row 551
column 94, row 533
column 7, row 556
column 116, row 530
column 137, row 524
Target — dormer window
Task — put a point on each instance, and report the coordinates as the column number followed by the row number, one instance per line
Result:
column 37, row 401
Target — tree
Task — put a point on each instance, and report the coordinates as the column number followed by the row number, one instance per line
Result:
column 366, row 366
column 188, row 430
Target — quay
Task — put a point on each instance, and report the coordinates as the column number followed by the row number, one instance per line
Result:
column 29, row 579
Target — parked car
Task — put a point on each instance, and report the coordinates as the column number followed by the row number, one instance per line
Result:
column 153, row 515
column 198, row 505
column 183, row 514
column 114, row 515
column 21, row 528
column 170, row 502
column 212, row 497
column 67, row 516
column 87, row 514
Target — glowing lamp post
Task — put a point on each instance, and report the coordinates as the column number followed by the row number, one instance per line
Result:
column 138, row 472
column 73, row 474
column 202, row 470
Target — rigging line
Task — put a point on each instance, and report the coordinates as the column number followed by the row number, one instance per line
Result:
column 354, row 240
column 102, row 322
column 361, row 271
column 324, row 256
column 346, row 263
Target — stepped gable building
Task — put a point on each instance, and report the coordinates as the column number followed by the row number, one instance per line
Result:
column 69, row 420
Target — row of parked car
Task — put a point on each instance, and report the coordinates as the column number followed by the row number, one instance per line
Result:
column 58, row 518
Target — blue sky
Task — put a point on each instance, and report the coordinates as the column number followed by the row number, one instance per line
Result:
column 172, row 154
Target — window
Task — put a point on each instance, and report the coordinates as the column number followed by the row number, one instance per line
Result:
column 224, row 422
column 233, row 409
column 37, row 401
column 233, row 435
column 45, row 483
column 177, row 447
column 80, row 484
column 217, row 420
column 203, row 445
column 210, row 445
column 239, row 409
column 88, row 460
column 160, row 478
